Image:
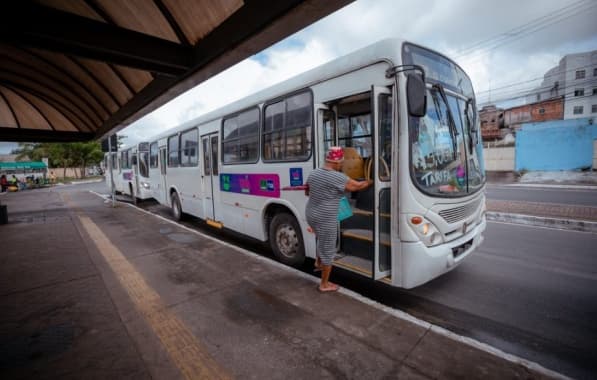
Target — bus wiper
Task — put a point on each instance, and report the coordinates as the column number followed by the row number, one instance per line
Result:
column 451, row 123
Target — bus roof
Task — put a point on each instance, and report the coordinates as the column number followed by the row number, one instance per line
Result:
column 385, row 50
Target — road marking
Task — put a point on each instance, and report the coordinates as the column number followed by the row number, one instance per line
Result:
column 191, row 358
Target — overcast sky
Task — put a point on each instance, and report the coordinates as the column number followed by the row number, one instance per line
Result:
column 508, row 41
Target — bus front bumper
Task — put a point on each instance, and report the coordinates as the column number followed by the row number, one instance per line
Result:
column 422, row 264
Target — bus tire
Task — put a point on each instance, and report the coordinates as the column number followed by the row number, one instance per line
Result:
column 176, row 209
column 286, row 240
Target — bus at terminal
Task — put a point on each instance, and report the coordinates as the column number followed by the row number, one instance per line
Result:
column 407, row 120
column 130, row 170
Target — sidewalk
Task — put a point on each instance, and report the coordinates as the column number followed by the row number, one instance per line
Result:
column 579, row 218
column 88, row 291
column 560, row 178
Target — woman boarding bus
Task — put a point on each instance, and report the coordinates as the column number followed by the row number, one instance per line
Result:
column 406, row 119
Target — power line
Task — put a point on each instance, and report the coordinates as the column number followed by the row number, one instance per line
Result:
column 534, row 26
column 516, row 30
column 513, row 84
column 527, row 92
column 544, row 100
column 535, row 90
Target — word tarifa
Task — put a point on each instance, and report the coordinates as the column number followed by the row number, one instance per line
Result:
column 438, row 177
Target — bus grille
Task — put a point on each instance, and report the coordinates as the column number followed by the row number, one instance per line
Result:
column 456, row 214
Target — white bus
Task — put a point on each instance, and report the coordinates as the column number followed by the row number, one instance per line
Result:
column 407, row 119
column 130, row 170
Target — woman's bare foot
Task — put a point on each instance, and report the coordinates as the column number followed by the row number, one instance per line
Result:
column 330, row 287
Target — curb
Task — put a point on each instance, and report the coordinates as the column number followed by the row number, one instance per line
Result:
column 561, row 224
column 553, row 186
column 78, row 182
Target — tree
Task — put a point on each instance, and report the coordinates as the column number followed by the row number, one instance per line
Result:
column 86, row 153
column 31, row 151
column 65, row 155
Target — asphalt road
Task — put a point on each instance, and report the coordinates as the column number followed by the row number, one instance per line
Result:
column 528, row 291
column 579, row 197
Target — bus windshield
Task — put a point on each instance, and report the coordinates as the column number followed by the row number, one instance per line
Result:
column 446, row 150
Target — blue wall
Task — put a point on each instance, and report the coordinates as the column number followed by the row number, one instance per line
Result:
column 555, row 145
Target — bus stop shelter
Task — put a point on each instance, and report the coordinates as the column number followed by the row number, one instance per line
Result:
column 81, row 70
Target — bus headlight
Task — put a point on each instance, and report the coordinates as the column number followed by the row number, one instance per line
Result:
column 427, row 231
column 145, row 185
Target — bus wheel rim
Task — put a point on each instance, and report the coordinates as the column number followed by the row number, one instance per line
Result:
column 287, row 240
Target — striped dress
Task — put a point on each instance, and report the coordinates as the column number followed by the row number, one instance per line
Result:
column 326, row 187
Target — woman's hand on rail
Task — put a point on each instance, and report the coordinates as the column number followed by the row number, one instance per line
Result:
column 353, row 185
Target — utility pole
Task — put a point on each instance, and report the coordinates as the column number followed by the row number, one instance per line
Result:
column 110, row 159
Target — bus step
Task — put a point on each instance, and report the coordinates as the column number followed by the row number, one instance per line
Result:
column 358, row 211
column 365, row 235
column 354, row 264
column 214, row 223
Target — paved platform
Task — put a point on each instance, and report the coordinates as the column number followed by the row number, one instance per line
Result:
column 90, row 291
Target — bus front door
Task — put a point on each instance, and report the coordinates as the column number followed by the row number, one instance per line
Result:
column 163, row 182
column 381, row 104
column 361, row 125
column 210, row 177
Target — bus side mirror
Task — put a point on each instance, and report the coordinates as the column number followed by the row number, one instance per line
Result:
column 416, row 92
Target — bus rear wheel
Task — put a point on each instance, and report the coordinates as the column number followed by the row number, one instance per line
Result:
column 176, row 209
column 286, row 240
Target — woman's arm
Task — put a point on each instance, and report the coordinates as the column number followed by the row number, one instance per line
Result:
column 353, row 185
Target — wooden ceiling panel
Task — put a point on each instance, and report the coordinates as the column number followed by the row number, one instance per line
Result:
column 51, row 97
column 197, row 18
column 28, row 116
column 141, row 16
column 31, row 64
column 27, row 74
column 7, row 116
column 56, row 119
column 109, row 79
column 80, row 8
column 99, row 65
column 137, row 79
column 85, row 77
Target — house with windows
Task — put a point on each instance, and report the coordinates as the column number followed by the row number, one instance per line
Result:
column 545, row 110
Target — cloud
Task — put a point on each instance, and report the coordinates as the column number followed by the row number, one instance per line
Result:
column 560, row 27
column 274, row 65
column 7, row 147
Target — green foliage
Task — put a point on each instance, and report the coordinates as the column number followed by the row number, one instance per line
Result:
column 77, row 154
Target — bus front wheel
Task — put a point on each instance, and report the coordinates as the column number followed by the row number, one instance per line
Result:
column 286, row 240
column 176, row 209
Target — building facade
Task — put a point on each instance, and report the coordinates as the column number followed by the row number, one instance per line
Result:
column 552, row 109
column 575, row 78
column 491, row 119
